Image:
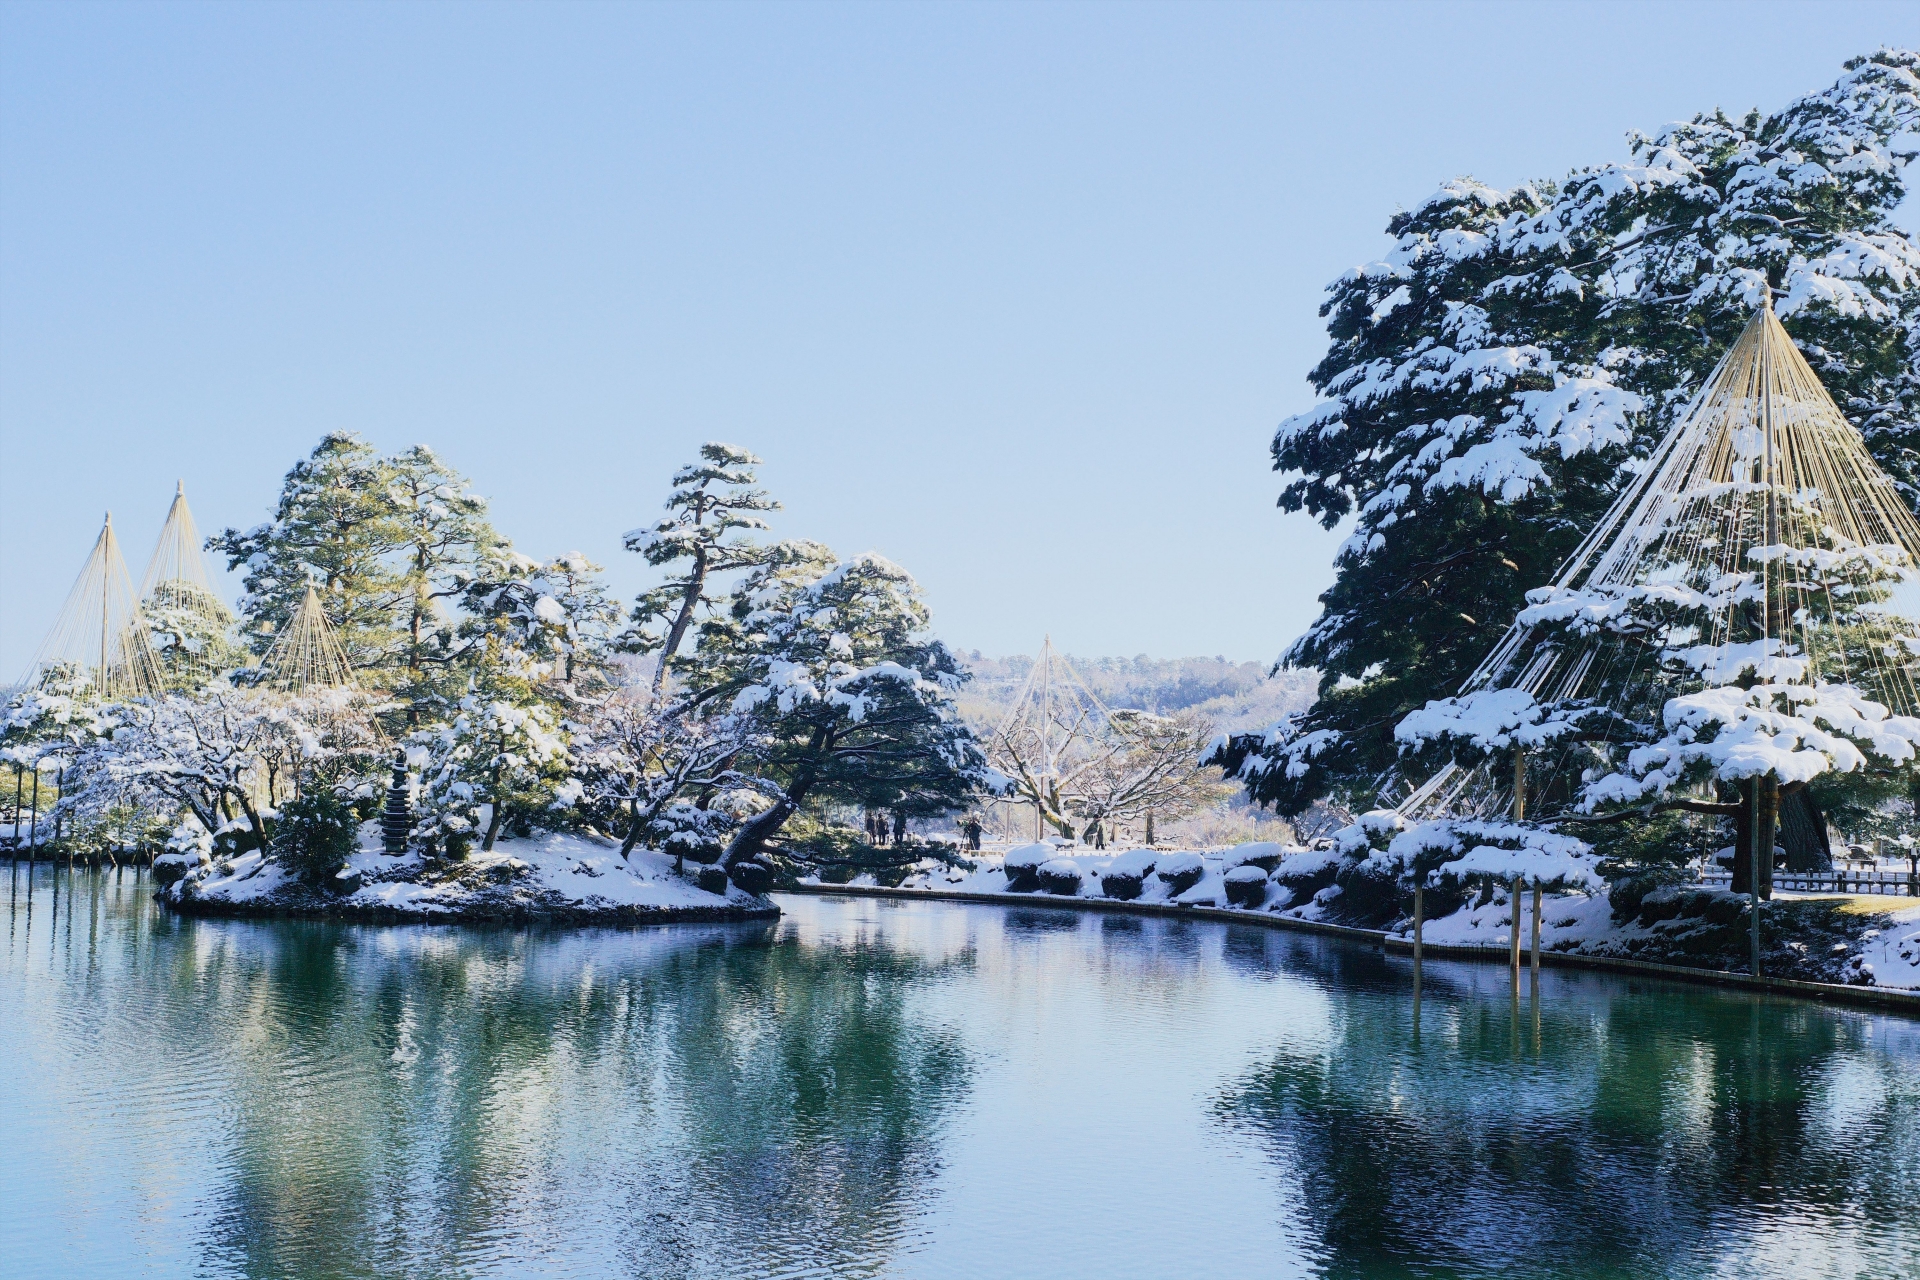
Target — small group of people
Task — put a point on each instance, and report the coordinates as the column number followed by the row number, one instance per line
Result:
column 878, row 831
column 884, row 828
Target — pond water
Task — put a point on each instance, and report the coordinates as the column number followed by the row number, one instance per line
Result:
column 870, row 1088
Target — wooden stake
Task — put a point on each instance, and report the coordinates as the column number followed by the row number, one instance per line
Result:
column 1519, row 785
column 1536, row 930
column 1513, row 904
column 1419, row 913
column 1753, row 865
column 33, row 822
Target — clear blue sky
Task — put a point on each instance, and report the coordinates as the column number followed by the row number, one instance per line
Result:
column 1013, row 294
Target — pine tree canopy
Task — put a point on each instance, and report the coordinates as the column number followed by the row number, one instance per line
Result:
column 711, row 513
column 1495, row 380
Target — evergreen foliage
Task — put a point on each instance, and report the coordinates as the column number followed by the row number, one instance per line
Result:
column 392, row 544
column 848, row 696
column 315, row 835
column 332, row 526
column 711, row 512
column 1496, row 378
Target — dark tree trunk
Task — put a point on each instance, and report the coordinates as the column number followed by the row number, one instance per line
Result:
column 1743, row 841
column 696, row 581
column 493, row 818
column 1764, row 839
column 633, row 830
column 752, row 838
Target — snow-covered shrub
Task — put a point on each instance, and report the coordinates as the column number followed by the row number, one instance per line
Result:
column 1022, row 866
column 1453, row 852
column 1264, row 854
column 752, row 876
column 1246, row 886
column 315, row 835
column 1125, row 878
column 1179, row 871
column 1308, row 871
column 687, row 831
column 1062, row 876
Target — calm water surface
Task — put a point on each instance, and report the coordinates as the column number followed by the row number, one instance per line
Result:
column 883, row 1089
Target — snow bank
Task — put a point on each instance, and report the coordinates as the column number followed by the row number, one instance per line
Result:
column 558, row 877
column 1881, row 947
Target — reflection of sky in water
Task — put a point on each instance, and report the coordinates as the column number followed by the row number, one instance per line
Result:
column 876, row 1088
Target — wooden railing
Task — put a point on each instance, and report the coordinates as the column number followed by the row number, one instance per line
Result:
column 1839, row 880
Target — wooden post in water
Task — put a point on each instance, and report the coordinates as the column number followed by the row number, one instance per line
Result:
column 1513, row 905
column 1753, row 865
column 1519, row 815
column 1419, row 914
column 33, row 819
column 1536, row 930
column 18, row 789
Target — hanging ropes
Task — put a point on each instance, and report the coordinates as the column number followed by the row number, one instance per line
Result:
column 177, row 576
column 1761, row 541
column 99, row 636
column 306, row 655
column 1056, row 728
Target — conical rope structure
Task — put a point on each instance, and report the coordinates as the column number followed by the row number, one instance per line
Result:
column 99, row 635
column 177, row 575
column 306, row 656
column 1760, row 545
column 1055, row 730
column 188, row 619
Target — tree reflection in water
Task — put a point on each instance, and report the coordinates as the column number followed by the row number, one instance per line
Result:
column 913, row 1089
column 684, row 1099
column 1583, row 1128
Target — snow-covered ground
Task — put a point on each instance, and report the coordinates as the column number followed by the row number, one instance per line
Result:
column 549, row 876
column 1885, row 951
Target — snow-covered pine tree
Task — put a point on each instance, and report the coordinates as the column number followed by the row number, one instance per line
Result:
column 1738, row 632
column 1474, row 436
column 498, row 761
column 1493, row 378
column 847, row 696
column 333, row 526
column 191, row 643
column 711, row 512
column 559, row 615
column 444, row 543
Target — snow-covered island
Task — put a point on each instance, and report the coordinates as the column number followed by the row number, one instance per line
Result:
column 1852, row 940
column 554, row 878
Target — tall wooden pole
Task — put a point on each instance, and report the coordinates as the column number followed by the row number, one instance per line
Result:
column 1513, row 902
column 33, row 822
column 1519, row 785
column 1536, row 929
column 1753, row 864
column 19, row 776
column 1419, row 914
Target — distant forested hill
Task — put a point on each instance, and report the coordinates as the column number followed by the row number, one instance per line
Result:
column 1232, row 696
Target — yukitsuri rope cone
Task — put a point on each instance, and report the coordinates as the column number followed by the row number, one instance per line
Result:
column 177, row 594
column 1761, row 545
column 306, row 656
column 176, row 577
column 100, row 635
